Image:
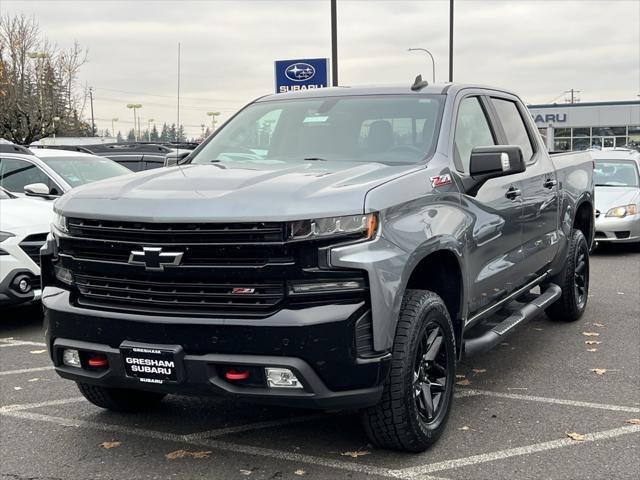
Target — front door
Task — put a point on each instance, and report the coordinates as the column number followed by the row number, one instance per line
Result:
column 494, row 246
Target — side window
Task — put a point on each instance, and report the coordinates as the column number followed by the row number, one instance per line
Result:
column 513, row 126
column 472, row 130
column 16, row 173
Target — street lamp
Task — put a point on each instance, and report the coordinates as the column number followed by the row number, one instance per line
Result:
column 40, row 57
column 149, row 122
column 135, row 107
column 433, row 62
column 113, row 126
column 213, row 116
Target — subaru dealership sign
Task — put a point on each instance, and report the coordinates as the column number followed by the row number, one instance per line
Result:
column 292, row 75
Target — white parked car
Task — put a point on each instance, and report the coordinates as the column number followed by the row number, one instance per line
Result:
column 24, row 226
column 617, row 180
column 49, row 173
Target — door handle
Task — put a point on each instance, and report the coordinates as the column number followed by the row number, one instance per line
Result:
column 550, row 183
column 513, row 193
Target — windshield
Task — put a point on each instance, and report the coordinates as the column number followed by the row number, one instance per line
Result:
column 616, row 173
column 78, row 170
column 392, row 129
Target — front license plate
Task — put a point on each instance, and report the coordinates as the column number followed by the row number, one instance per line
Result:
column 150, row 364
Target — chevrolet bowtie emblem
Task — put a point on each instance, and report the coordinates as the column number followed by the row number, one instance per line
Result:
column 154, row 259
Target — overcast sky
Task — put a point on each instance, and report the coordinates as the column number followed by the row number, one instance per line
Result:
column 538, row 48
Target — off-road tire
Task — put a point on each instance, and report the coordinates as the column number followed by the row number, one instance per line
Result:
column 396, row 422
column 571, row 305
column 120, row 399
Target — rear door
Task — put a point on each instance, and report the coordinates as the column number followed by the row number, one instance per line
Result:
column 539, row 187
column 494, row 249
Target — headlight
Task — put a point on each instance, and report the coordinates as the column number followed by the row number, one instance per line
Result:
column 60, row 222
column 5, row 235
column 366, row 225
column 623, row 211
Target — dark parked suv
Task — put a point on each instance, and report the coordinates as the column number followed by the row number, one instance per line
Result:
column 336, row 248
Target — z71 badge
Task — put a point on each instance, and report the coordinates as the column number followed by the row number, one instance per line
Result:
column 441, row 180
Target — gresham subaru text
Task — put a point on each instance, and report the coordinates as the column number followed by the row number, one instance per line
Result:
column 336, row 248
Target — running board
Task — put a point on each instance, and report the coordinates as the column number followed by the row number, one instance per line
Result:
column 490, row 339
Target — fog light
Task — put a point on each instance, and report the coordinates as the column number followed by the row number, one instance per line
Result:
column 71, row 357
column 64, row 275
column 326, row 287
column 24, row 285
column 282, row 378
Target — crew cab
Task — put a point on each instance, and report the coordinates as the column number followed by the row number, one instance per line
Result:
column 334, row 248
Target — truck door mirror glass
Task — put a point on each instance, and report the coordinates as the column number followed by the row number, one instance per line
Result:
column 37, row 190
column 496, row 161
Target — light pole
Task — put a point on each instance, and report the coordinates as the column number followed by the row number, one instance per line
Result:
column 149, row 122
column 433, row 62
column 334, row 43
column 213, row 116
column 135, row 107
column 451, row 40
column 113, row 126
column 55, row 119
column 40, row 57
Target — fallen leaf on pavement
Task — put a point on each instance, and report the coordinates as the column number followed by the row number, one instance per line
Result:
column 592, row 349
column 37, row 351
column 592, row 342
column 300, row 472
column 599, row 371
column 479, row 370
column 463, row 382
column 246, row 472
column 591, row 334
column 111, row 444
column 578, row 437
column 539, row 329
column 186, row 454
column 355, row 454
column 633, row 421
column 599, row 324
column 17, row 388
column 620, row 293
column 465, row 428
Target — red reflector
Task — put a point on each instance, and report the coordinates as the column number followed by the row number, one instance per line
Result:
column 237, row 375
column 98, row 361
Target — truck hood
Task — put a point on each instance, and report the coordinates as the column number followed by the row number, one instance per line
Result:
column 610, row 197
column 242, row 192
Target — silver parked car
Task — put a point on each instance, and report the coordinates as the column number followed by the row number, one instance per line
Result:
column 617, row 195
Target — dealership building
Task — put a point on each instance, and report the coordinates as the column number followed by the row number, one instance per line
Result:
column 578, row 126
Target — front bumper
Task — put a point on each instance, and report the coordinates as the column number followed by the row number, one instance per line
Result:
column 618, row 230
column 15, row 265
column 316, row 343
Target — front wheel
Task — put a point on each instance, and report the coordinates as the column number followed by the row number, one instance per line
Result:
column 120, row 399
column 573, row 280
column 418, row 393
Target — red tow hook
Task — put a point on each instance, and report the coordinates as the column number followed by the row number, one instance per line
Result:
column 237, row 374
column 98, row 361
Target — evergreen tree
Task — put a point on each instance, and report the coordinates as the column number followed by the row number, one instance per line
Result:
column 154, row 134
column 164, row 136
column 180, row 136
column 172, row 133
column 119, row 138
column 107, row 133
column 131, row 136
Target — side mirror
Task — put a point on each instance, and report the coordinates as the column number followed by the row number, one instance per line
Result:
column 496, row 161
column 37, row 190
column 174, row 158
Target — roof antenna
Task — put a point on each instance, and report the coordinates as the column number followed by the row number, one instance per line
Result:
column 419, row 84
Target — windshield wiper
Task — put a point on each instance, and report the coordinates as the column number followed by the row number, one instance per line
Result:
column 315, row 159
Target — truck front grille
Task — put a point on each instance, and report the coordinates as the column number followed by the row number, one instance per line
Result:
column 224, row 269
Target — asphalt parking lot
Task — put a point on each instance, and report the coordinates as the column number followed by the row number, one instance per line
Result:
column 514, row 408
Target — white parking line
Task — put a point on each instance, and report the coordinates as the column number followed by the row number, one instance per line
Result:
column 26, row 370
column 557, row 401
column 28, row 406
column 420, row 471
column 20, row 343
column 216, row 444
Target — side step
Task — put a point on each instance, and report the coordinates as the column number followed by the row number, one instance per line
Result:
column 490, row 339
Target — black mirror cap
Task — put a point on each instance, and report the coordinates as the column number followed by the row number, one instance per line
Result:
column 173, row 158
column 496, row 161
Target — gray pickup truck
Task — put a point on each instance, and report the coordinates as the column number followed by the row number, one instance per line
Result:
column 336, row 248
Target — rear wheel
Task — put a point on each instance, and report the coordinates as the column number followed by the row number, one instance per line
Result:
column 120, row 399
column 574, row 281
column 418, row 393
